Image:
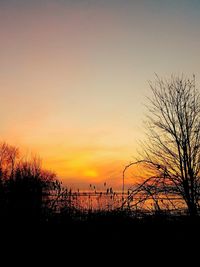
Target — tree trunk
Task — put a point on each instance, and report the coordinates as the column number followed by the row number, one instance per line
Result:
column 192, row 209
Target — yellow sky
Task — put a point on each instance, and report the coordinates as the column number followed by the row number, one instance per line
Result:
column 73, row 77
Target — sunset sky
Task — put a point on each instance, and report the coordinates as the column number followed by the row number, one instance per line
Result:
column 74, row 77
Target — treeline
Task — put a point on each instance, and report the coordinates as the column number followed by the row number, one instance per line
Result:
column 31, row 194
column 28, row 193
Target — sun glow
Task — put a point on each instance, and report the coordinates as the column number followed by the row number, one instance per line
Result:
column 73, row 79
column 90, row 173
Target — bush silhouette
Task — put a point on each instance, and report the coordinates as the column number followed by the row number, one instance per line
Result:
column 25, row 188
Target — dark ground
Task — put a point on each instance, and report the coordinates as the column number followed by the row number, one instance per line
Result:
column 103, row 239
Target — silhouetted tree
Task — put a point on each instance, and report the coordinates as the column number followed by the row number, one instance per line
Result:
column 25, row 188
column 9, row 155
column 172, row 150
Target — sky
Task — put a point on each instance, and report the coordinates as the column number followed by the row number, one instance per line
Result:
column 74, row 78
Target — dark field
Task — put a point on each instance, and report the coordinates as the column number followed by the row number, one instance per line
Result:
column 106, row 235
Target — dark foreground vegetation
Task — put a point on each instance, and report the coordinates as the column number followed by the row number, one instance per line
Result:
column 37, row 218
column 36, row 209
column 108, row 236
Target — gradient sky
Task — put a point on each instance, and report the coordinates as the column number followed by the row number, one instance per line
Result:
column 74, row 76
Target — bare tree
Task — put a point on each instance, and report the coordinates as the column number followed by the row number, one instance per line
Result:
column 25, row 187
column 172, row 149
column 9, row 157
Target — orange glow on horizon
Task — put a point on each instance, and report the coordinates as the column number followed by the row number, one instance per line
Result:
column 73, row 79
column 90, row 173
